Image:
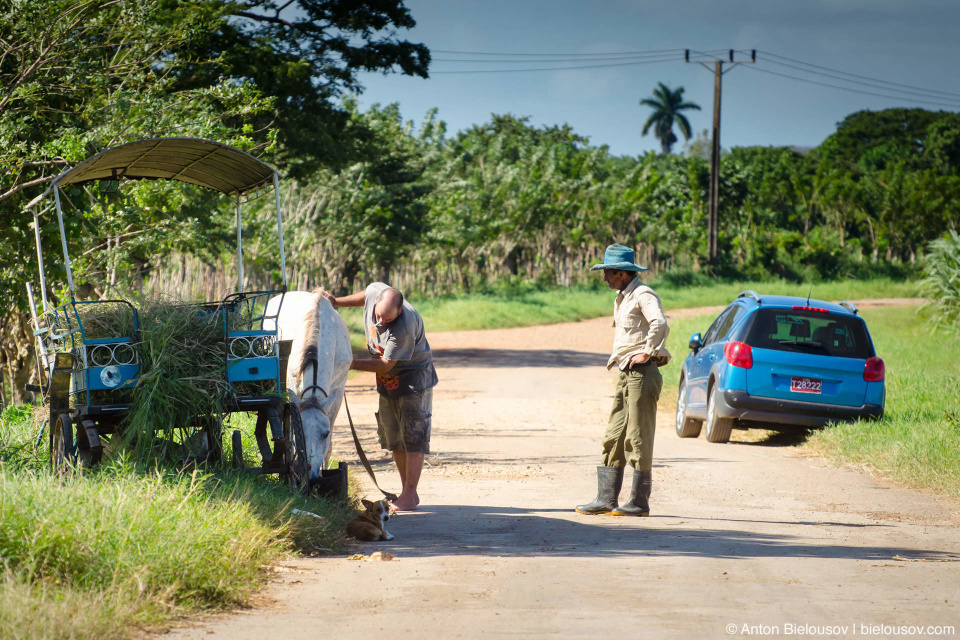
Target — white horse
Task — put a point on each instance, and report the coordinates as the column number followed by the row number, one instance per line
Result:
column 318, row 366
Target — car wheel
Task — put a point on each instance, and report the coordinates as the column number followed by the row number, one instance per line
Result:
column 718, row 429
column 686, row 427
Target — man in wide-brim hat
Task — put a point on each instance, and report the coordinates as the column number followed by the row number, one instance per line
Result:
column 640, row 336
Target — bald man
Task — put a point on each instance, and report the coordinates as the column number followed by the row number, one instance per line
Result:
column 403, row 364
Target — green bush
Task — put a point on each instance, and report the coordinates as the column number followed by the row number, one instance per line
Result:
column 941, row 281
column 680, row 278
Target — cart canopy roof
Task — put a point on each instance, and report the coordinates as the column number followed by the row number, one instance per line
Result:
column 199, row 162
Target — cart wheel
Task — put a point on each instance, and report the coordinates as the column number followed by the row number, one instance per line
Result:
column 236, row 440
column 62, row 451
column 295, row 456
column 89, row 449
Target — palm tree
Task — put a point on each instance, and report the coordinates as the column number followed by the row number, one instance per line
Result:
column 667, row 105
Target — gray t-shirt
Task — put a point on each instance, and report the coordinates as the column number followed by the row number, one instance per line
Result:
column 403, row 341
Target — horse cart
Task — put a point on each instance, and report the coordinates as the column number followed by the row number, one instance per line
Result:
column 86, row 380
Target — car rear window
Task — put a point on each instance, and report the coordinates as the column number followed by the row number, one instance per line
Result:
column 810, row 332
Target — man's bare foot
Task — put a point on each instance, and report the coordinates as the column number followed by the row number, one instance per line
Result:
column 405, row 503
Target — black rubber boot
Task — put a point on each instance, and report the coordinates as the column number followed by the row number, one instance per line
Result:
column 609, row 482
column 639, row 502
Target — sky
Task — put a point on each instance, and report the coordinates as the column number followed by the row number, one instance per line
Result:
column 909, row 42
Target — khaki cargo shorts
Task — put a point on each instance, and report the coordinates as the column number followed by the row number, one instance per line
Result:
column 403, row 422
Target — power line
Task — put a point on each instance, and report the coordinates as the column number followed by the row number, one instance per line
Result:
column 611, row 59
column 867, row 93
column 585, row 61
column 568, row 54
column 713, row 54
column 588, row 66
column 854, row 75
column 873, row 85
column 529, row 60
column 640, row 57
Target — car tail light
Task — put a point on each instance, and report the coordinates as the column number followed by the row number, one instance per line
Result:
column 739, row 354
column 817, row 309
column 873, row 370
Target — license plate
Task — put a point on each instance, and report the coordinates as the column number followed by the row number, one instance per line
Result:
column 805, row 385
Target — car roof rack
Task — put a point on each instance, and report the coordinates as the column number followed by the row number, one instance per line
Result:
column 749, row 293
column 849, row 306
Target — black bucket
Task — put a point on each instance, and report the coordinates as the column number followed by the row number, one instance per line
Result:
column 332, row 482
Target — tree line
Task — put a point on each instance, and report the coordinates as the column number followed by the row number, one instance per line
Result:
column 436, row 214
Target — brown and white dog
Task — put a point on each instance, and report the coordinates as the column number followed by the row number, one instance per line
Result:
column 368, row 525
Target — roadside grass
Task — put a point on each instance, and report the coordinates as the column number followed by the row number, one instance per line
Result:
column 34, row 610
column 524, row 304
column 522, row 307
column 918, row 441
column 103, row 553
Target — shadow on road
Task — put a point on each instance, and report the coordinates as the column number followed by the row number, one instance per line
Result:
column 785, row 438
column 449, row 530
column 517, row 358
column 452, row 461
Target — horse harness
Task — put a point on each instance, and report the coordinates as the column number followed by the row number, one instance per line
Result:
column 316, row 367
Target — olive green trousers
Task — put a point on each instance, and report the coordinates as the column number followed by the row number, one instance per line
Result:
column 633, row 419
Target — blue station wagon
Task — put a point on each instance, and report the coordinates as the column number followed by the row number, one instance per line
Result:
column 779, row 361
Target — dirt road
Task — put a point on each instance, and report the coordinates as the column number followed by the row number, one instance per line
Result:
column 743, row 539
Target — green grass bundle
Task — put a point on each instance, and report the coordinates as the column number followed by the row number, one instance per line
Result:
column 182, row 385
column 182, row 382
column 106, row 320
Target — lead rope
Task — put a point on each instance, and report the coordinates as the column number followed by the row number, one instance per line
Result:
column 363, row 457
column 356, row 440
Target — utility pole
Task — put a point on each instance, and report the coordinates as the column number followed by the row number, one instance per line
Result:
column 714, row 199
column 714, row 203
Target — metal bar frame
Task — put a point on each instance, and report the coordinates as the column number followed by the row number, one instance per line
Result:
column 43, row 275
column 63, row 240
column 239, row 250
column 283, row 258
column 41, row 345
column 75, row 348
column 246, row 304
